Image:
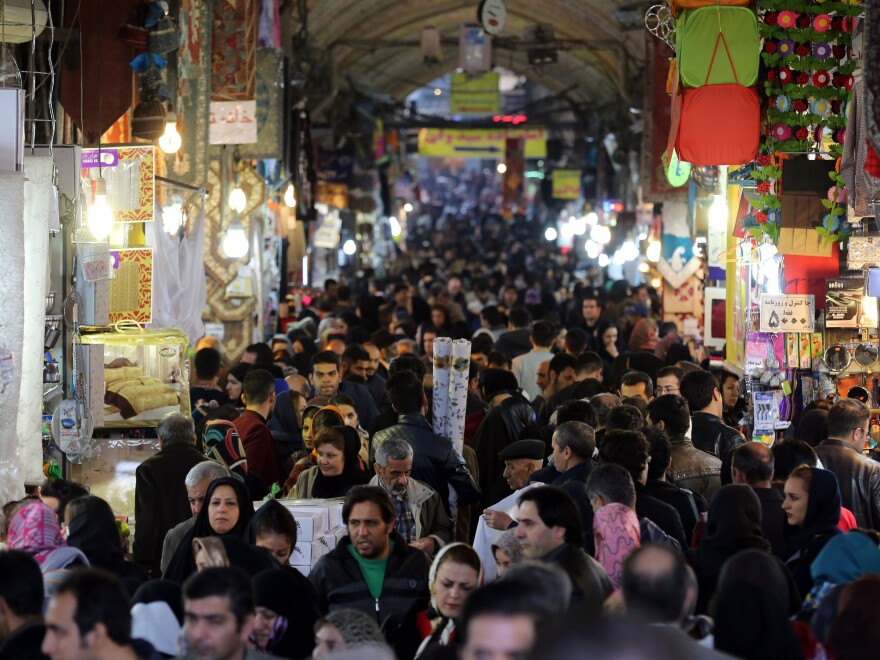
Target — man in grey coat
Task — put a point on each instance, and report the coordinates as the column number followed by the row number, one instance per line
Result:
column 420, row 516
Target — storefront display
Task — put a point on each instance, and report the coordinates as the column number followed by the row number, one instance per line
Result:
column 144, row 375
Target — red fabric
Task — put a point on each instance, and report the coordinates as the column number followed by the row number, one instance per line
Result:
column 807, row 275
column 810, row 646
column 259, row 448
column 720, row 125
column 847, row 520
column 423, row 623
column 872, row 162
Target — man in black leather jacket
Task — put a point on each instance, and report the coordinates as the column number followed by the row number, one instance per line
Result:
column 708, row 432
column 857, row 475
column 435, row 461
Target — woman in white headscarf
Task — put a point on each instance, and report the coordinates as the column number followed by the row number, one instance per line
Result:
column 455, row 574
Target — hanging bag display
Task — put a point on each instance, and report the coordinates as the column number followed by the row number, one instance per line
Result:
column 698, row 34
column 720, row 124
column 677, row 6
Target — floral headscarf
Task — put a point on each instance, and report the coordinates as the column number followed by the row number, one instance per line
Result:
column 35, row 528
column 617, row 532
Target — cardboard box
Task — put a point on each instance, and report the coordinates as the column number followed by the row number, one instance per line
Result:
column 307, row 553
column 309, row 526
column 332, row 538
column 318, row 513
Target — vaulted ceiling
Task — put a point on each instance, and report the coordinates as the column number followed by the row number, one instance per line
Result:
column 375, row 42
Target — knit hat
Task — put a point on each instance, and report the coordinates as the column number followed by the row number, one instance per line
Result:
column 509, row 545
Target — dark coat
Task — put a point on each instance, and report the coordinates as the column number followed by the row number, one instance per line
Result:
column 772, row 519
column 435, row 460
column 712, row 435
column 160, row 500
column 590, row 585
column 25, row 644
column 858, row 478
column 659, row 513
column 515, row 342
column 689, row 505
column 339, row 583
column 363, row 402
column 574, row 482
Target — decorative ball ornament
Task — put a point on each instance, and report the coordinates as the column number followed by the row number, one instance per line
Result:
column 492, row 15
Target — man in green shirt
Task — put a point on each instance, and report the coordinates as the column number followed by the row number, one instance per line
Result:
column 373, row 569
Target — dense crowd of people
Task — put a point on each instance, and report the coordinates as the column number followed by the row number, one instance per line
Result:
column 623, row 513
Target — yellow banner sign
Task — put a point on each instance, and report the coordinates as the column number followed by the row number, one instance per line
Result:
column 479, row 143
column 475, row 95
column 566, row 184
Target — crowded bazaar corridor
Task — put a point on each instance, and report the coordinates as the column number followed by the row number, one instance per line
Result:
column 439, row 329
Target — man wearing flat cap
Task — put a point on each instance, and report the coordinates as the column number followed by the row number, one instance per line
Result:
column 521, row 458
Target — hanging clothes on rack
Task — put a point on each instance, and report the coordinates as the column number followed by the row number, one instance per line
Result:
column 860, row 185
column 179, row 288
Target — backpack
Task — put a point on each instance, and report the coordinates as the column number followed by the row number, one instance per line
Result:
column 221, row 443
column 698, row 34
column 719, row 124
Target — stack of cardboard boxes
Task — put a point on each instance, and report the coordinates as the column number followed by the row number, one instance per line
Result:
column 319, row 528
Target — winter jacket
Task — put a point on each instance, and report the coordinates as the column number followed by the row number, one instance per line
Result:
column 694, row 469
column 435, row 461
column 858, row 478
column 712, row 435
column 339, row 583
column 427, row 509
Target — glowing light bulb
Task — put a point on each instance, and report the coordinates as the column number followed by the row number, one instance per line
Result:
column 349, row 247
column 567, row 231
column 408, row 208
column 100, row 218
column 502, row 168
column 172, row 218
column 629, row 251
column 551, row 234
column 290, row 196
column 579, row 226
column 170, row 141
column 600, row 234
column 644, row 267
column 592, row 248
column 237, row 199
column 656, row 282
column 718, row 214
column 437, row 91
column 235, row 243
column 592, row 218
column 604, row 260
column 395, row 226
column 652, row 252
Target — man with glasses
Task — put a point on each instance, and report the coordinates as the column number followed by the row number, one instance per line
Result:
column 857, row 475
column 669, row 380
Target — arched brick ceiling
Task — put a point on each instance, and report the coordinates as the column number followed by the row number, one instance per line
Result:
column 599, row 71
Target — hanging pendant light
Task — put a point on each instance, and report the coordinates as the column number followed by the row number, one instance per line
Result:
column 100, row 220
column 170, row 141
column 235, row 243
column 290, row 196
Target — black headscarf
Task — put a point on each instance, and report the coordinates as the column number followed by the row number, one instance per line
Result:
column 290, row 595
column 285, row 427
column 820, row 524
column 751, row 609
column 239, row 371
column 183, row 563
column 812, row 427
column 94, row 533
column 352, row 473
column 161, row 590
column 734, row 524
